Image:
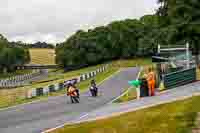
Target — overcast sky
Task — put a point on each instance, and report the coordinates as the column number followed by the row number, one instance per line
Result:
column 55, row 20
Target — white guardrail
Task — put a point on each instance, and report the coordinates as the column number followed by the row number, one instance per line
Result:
column 18, row 81
column 59, row 86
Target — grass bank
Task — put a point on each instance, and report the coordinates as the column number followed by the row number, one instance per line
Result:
column 17, row 73
column 132, row 62
column 17, row 96
column 114, row 64
column 177, row 117
column 131, row 92
column 60, row 76
column 198, row 73
column 14, row 96
column 10, row 97
column 130, row 95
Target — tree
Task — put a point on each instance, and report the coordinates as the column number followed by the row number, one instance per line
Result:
column 184, row 18
column 11, row 55
column 119, row 39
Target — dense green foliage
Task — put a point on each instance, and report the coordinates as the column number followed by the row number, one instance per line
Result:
column 33, row 45
column 181, row 20
column 11, row 56
column 120, row 39
column 176, row 23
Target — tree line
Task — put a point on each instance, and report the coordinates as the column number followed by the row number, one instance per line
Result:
column 119, row 39
column 180, row 20
column 33, row 45
column 11, row 56
column 176, row 22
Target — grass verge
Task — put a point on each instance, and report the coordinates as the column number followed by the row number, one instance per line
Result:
column 132, row 62
column 17, row 73
column 115, row 64
column 198, row 73
column 11, row 98
column 177, row 117
column 16, row 96
column 132, row 93
column 59, row 76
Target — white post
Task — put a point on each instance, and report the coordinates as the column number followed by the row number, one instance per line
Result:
column 188, row 55
column 159, row 48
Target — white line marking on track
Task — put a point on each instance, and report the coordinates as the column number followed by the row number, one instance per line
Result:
column 109, row 77
column 53, row 97
column 84, row 116
column 49, row 130
column 127, row 89
column 132, row 109
column 139, row 108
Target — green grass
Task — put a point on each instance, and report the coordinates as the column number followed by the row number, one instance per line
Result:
column 114, row 64
column 198, row 74
column 132, row 62
column 17, row 95
column 10, row 98
column 74, row 73
column 132, row 93
column 60, row 77
column 98, row 79
column 18, row 72
column 177, row 117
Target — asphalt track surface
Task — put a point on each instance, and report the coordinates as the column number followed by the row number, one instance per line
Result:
column 168, row 96
column 39, row 116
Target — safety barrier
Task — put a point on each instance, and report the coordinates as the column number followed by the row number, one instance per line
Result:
column 18, row 81
column 60, row 86
column 179, row 78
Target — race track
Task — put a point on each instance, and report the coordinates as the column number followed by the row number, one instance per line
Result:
column 38, row 116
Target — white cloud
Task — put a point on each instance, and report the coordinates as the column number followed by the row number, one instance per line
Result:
column 53, row 20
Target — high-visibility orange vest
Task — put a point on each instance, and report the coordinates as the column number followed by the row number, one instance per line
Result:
column 151, row 76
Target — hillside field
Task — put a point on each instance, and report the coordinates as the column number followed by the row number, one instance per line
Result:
column 42, row 56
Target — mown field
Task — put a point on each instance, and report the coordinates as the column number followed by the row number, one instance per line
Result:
column 38, row 56
column 42, row 56
column 177, row 117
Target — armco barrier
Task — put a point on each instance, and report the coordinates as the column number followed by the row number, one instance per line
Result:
column 56, row 87
column 59, row 86
column 17, row 81
column 46, row 90
column 78, row 79
column 52, row 88
column 39, row 91
column 179, row 78
column 31, row 93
